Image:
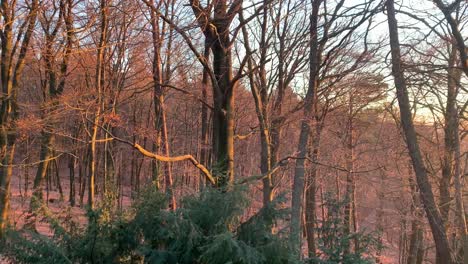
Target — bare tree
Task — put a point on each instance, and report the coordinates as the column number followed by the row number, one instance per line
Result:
column 54, row 70
column 427, row 196
column 15, row 45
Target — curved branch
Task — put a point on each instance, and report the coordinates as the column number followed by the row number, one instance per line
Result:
column 155, row 156
column 188, row 157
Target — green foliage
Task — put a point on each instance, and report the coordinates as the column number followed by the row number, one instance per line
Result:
column 334, row 240
column 208, row 228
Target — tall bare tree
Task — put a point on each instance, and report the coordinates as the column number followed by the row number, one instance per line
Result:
column 63, row 17
column 14, row 48
column 427, row 197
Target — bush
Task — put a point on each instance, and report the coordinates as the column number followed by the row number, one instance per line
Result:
column 333, row 239
column 207, row 228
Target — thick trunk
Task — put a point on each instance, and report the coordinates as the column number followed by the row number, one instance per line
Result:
column 223, row 112
column 427, row 196
column 218, row 37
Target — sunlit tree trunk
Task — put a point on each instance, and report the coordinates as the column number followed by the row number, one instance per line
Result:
column 204, row 144
column 162, row 144
column 99, row 82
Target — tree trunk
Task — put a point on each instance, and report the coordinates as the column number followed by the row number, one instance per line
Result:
column 162, row 144
column 427, row 196
column 218, row 37
column 298, row 184
column 44, row 157
column 459, row 203
column 450, row 130
column 310, row 208
column 71, row 169
column 204, row 117
column 349, row 210
column 99, row 82
column 260, row 94
column 223, row 107
column 416, row 236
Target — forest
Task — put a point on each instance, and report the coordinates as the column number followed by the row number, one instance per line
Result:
column 234, row 131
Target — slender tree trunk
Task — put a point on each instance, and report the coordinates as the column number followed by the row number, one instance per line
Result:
column 451, row 166
column 92, row 159
column 204, row 117
column 44, row 157
column 416, row 236
column 460, row 207
column 311, row 192
column 99, row 82
column 260, row 94
column 350, row 197
column 57, row 177
column 450, row 130
column 71, row 169
column 81, row 174
column 162, row 143
column 299, row 171
column 5, row 179
column 427, row 196
column 380, row 215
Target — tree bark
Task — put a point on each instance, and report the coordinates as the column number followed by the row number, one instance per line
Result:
column 99, row 82
column 310, row 208
column 204, row 145
column 218, row 35
column 299, row 171
column 162, row 144
column 258, row 85
column 427, row 196
column 416, row 236
column 349, row 220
